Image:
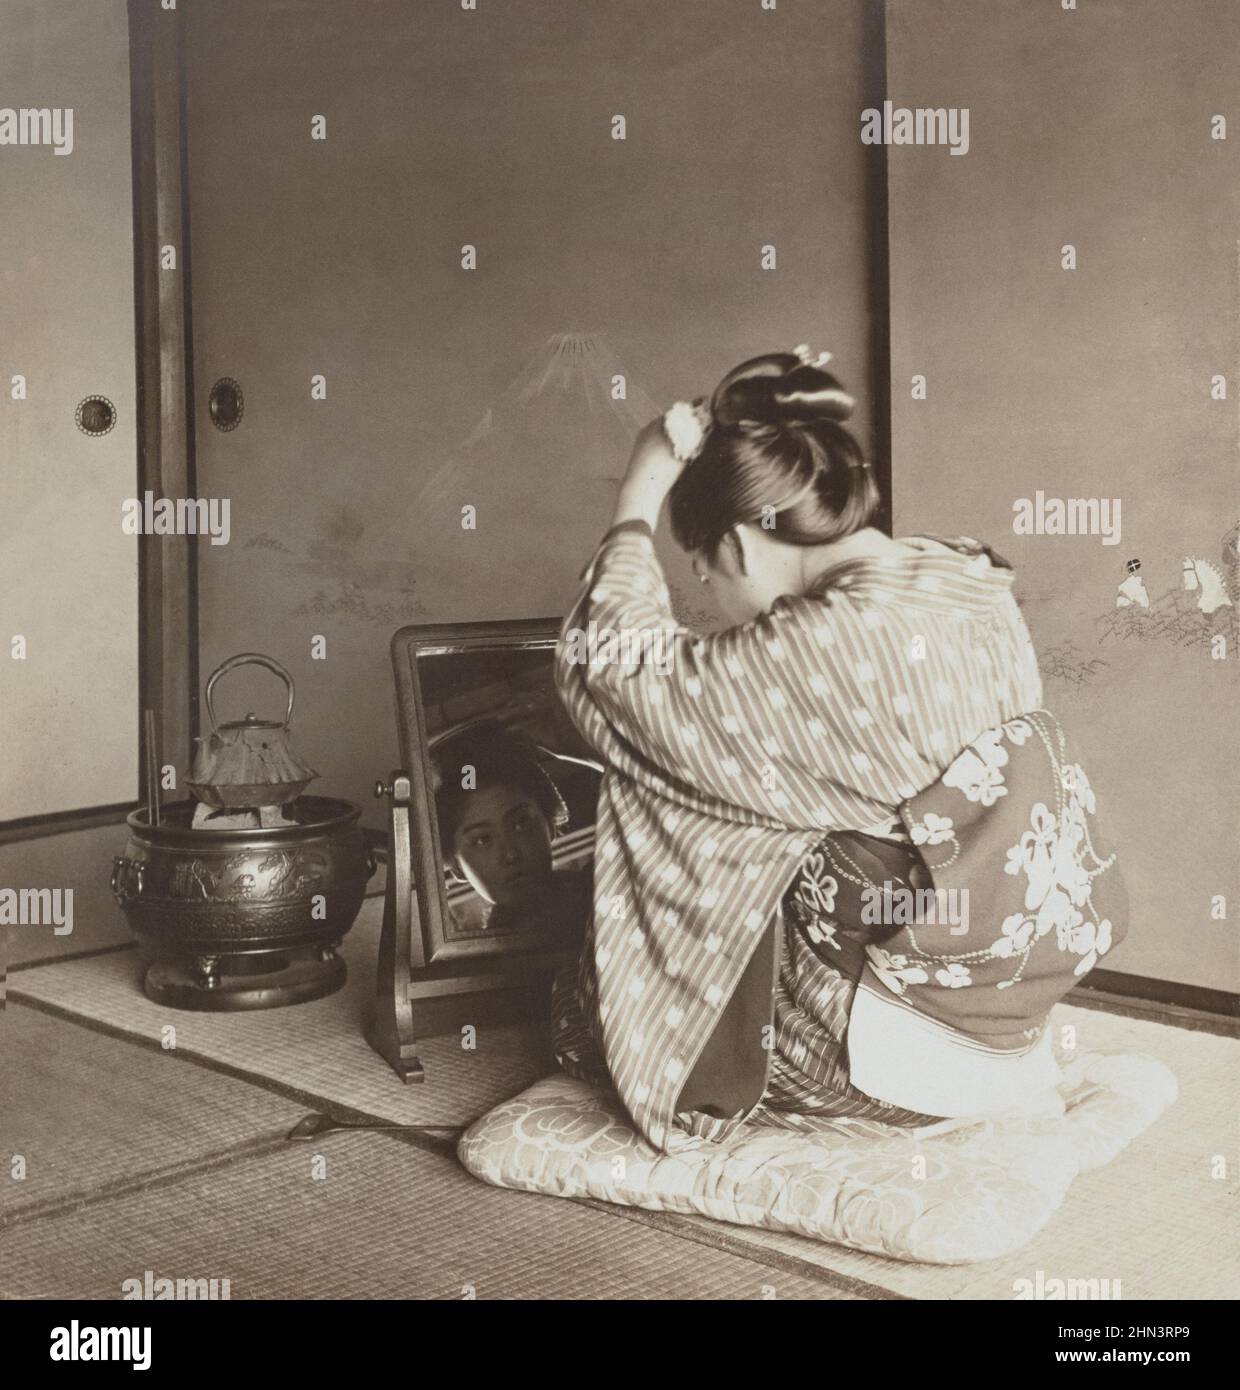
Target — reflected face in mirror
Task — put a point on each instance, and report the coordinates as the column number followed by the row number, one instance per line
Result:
column 499, row 813
column 501, row 843
column 513, row 792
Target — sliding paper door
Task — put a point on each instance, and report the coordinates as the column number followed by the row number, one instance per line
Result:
column 68, row 573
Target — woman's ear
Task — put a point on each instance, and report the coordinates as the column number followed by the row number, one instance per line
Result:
column 737, row 545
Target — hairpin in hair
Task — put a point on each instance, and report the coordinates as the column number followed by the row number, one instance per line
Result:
column 830, row 400
column 809, row 359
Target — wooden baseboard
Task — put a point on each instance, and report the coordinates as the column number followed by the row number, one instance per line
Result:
column 1160, row 1001
column 63, row 822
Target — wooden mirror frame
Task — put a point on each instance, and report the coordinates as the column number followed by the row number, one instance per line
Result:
column 422, row 977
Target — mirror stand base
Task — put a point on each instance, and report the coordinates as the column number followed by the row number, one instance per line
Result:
column 390, row 1027
column 402, row 1057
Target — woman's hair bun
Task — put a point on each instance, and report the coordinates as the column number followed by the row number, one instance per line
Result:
column 779, row 388
column 777, row 442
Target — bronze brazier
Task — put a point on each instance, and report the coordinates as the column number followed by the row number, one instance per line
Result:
column 244, row 908
column 244, row 919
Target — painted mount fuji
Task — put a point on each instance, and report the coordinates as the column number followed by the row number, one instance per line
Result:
column 540, row 465
column 553, row 435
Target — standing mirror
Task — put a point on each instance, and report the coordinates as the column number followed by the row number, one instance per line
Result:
column 491, row 832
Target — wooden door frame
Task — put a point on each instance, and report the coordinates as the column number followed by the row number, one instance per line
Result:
column 878, row 260
column 167, row 565
column 167, row 636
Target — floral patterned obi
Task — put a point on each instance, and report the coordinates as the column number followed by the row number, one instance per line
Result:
column 997, row 907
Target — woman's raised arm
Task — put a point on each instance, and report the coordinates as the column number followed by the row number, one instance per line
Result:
column 649, row 694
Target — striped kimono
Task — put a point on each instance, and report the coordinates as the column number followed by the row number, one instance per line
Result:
column 730, row 757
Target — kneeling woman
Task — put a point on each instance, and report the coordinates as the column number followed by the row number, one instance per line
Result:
column 843, row 863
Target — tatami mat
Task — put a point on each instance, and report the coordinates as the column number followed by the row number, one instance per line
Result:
column 85, row 1111
column 1161, row 1219
column 317, row 1048
column 385, row 1220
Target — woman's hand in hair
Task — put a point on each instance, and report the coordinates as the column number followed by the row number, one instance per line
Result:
column 651, row 471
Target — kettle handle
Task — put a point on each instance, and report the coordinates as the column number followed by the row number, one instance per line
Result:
column 249, row 659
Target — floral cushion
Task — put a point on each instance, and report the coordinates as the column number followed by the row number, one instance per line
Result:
column 945, row 1195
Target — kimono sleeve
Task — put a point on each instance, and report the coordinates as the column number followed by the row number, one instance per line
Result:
column 637, row 682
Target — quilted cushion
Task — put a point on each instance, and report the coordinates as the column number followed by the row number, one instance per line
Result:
column 969, row 1191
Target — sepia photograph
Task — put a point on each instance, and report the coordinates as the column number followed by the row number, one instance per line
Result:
column 619, row 665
